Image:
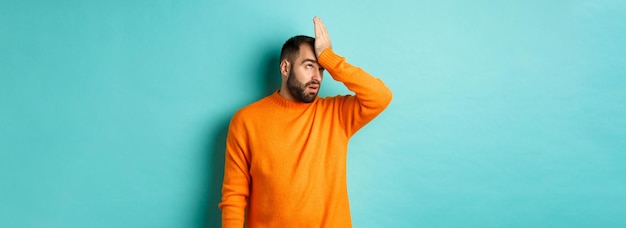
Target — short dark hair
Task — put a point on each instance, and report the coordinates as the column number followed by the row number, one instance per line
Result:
column 291, row 48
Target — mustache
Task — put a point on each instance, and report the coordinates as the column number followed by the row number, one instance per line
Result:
column 312, row 82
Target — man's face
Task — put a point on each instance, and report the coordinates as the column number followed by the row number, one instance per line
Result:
column 305, row 75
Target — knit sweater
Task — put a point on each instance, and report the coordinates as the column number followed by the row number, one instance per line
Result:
column 285, row 163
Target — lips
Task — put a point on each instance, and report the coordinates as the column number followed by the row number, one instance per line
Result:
column 314, row 88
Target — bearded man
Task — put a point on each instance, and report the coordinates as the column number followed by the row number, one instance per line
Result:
column 285, row 163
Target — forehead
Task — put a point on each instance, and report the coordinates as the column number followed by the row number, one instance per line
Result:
column 306, row 52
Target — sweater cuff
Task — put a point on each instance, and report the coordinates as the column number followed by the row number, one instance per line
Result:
column 329, row 59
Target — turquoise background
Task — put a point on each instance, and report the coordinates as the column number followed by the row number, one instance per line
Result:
column 505, row 113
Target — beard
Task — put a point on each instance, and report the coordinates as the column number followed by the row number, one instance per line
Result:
column 297, row 89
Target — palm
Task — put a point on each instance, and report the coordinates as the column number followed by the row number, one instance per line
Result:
column 322, row 40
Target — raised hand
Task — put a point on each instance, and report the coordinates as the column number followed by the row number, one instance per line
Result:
column 322, row 40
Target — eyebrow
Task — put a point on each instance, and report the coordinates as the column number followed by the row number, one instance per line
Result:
column 309, row 60
column 313, row 61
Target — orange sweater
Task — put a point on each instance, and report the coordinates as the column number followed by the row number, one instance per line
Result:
column 286, row 161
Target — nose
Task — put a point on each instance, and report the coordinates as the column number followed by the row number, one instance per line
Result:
column 317, row 75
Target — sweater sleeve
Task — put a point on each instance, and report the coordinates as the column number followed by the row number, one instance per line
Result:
column 235, row 189
column 371, row 95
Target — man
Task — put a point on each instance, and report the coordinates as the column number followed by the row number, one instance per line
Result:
column 286, row 153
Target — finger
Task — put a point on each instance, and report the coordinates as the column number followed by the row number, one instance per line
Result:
column 320, row 25
column 320, row 29
column 317, row 26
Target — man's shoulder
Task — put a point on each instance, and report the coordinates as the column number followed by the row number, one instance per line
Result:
column 252, row 109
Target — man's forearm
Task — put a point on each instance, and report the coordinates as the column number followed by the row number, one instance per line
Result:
column 371, row 95
column 371, row 92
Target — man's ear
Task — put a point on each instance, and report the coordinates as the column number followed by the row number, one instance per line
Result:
column 284, row 67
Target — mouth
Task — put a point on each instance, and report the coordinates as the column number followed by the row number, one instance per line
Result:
column 313, row 88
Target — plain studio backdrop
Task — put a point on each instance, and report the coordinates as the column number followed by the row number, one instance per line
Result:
column 505, row 113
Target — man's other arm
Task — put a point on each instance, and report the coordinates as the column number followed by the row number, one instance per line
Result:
column 235, row 189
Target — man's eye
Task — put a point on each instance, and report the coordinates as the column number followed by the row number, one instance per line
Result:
column 309, row 66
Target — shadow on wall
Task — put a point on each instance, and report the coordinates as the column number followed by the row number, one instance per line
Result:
column 271, row 68
column 216, row 146
column 215, row 174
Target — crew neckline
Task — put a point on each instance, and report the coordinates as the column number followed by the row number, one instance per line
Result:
column 282, row 102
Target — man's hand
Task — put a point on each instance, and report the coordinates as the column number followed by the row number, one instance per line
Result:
column 322, row 40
